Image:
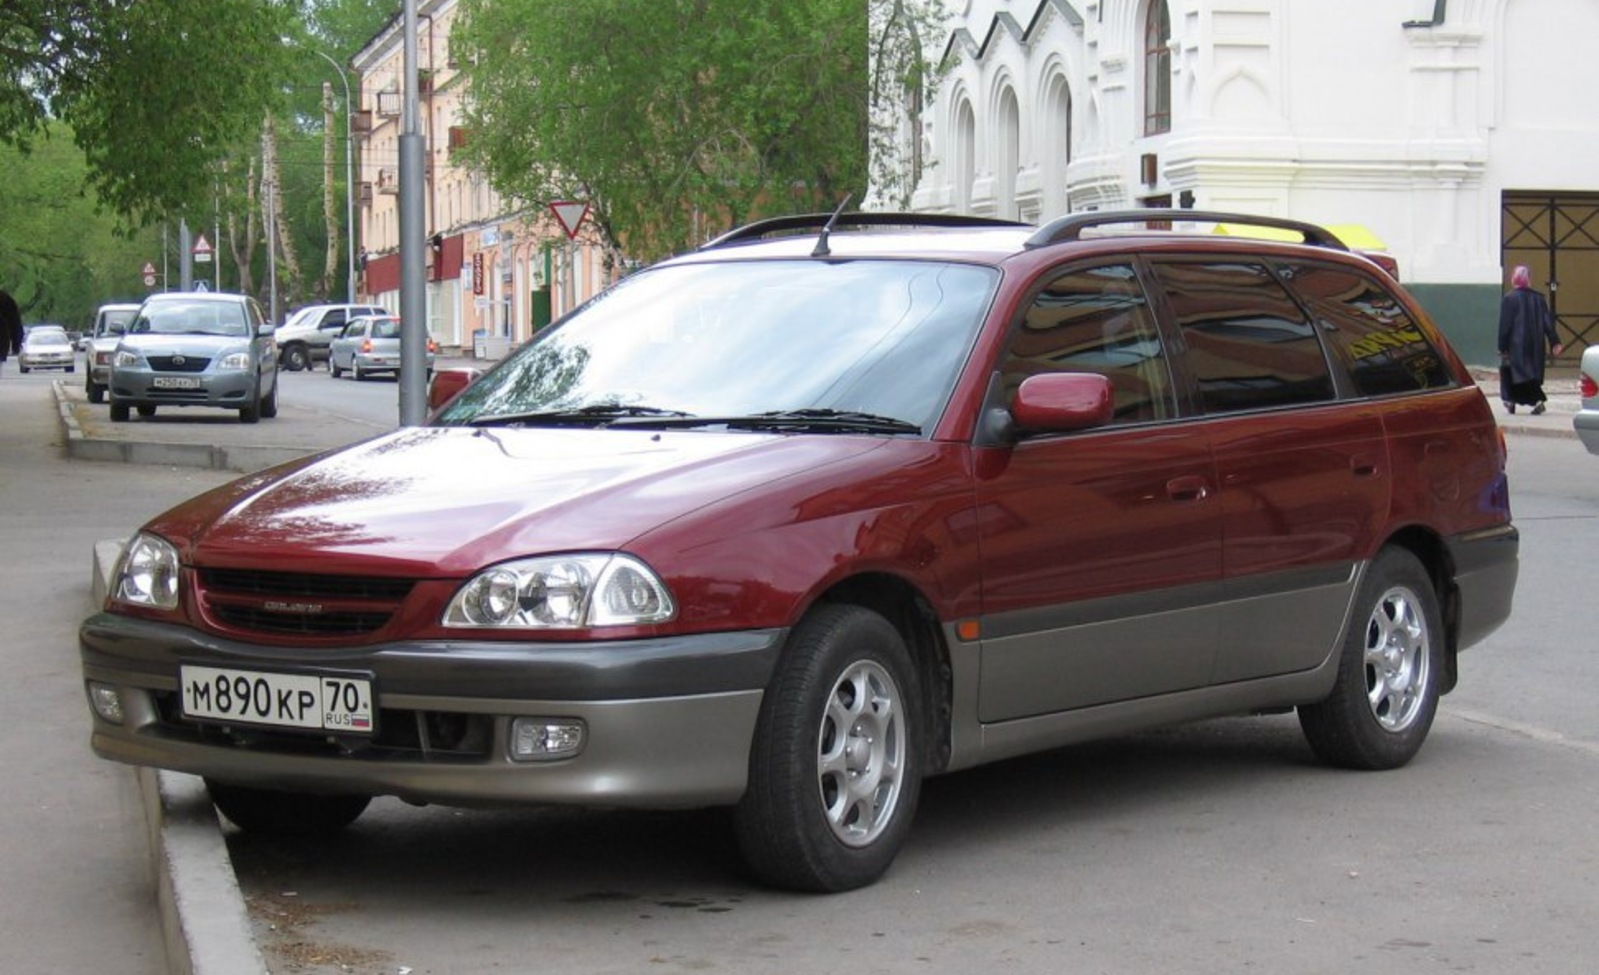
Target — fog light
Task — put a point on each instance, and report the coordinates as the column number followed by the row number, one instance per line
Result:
column 106, row 701
column 541, row 739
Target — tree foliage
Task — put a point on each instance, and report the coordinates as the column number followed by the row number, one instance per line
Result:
column 156, row 91
column 674, row 119
column 60, row 255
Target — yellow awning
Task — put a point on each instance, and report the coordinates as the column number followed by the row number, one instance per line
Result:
column 1258, row 233
column 1356, row 237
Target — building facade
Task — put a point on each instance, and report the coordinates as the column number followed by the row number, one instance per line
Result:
column 497, row 269
column 1455, row 134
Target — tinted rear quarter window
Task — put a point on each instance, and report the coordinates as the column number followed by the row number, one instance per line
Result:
column 1369, row 330
column 1249, row 344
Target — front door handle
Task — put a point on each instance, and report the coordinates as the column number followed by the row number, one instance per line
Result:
column 1191, row 487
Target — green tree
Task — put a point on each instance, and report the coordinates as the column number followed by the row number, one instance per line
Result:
column 156, row 91
column 60, row 254
column 674, row 119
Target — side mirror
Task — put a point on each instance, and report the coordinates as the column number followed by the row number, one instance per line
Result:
column 1061, row 401
column 448, row 383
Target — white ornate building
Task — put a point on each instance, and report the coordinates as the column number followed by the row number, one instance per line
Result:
column 1461, row 134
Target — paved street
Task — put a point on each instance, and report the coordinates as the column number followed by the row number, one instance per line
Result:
column 1221, row 846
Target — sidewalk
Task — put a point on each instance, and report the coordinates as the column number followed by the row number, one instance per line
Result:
column 1564, row 402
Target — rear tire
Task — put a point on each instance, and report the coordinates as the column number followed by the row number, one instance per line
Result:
column 119, row 412
column 269, row 405
column 1386, row 694
column 95, row 392
column 836, row 765
column 270, row 812
column 146, row 410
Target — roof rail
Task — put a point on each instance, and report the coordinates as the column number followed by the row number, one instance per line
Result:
column 1071, row 226
column 814, row 222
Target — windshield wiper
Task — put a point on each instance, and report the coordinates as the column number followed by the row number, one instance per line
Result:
column 815, row 420
column 597, row 415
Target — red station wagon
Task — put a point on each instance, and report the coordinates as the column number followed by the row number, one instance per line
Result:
column 831, row 505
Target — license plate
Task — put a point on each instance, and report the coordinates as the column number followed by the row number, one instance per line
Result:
column 175, row 382
column 316, row 702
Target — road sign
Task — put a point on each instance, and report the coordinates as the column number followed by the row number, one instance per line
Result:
column 200, row 285
column 202, row 250
column 570, row 214
column 149, row 280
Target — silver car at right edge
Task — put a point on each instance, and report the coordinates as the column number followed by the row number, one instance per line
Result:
column 1587, row 419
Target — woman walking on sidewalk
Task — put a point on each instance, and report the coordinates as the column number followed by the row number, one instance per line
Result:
column 1526, row 332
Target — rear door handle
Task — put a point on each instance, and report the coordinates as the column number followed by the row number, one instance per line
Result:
column 1364, row 465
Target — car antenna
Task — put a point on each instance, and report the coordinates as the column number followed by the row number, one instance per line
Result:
column 822, row 249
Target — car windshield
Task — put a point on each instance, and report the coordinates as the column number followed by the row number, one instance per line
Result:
column 869, row 345
column 48, row 336
column 116, row 322
column 191, row 318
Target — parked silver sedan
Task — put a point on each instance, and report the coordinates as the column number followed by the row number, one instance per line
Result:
column 369, row 345
column 47, row 347
column 1587, row 419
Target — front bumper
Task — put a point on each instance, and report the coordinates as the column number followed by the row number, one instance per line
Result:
column 668, row 721
column 229, row 390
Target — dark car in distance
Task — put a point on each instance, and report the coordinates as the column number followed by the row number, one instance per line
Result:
column 831, row 505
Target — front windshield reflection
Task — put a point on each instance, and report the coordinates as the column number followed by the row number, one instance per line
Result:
column 737, row 339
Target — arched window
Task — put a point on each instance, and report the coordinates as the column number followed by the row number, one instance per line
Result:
column 1010, row 149
column 965, row 155
column 1157, row 68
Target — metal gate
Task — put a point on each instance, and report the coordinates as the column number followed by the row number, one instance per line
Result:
column 1557, row 237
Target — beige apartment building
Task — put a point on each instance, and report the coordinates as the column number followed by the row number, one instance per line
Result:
column 497, row 269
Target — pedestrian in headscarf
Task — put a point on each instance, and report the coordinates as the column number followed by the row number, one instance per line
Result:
column 10, row 326
column 1526, row 334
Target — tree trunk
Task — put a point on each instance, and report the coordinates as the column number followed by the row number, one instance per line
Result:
column 330, row 268
column 243, row 245
column 289, row 277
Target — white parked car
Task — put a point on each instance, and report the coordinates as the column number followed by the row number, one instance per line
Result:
column 47, row 347
column 1587, row 420
column 101, row 344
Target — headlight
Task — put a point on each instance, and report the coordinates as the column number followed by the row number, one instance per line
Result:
column 148, row 574
column 235, row 360
column 128, row 360
column 562, row 592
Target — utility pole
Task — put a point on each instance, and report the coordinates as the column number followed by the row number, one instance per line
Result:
column 413, row 238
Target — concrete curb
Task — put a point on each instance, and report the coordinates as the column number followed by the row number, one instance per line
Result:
column 217, row 457
column 205, row 925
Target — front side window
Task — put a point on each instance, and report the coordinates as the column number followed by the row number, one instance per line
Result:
column 1157, row 68
column 736, row 340
column 1369, row 330
column 1096, row 320
column 1249, row 345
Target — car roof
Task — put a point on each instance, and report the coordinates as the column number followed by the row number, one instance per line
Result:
column 166, row 296
column 117, row 306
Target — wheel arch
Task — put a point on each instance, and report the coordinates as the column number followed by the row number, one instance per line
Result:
column 1429, row 548
column 912, row 614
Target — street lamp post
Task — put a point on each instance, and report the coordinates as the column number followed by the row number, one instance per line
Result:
column 349, row 180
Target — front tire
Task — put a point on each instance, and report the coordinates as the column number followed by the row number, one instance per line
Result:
column 270, row 812
column 836, row 765
column 296, row 358
column 1386, row 694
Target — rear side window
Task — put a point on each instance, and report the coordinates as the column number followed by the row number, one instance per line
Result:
column 1096, row 320
column 1369, row 331
column 1249, row 345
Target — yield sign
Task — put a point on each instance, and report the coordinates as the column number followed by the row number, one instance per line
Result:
column 570, row 214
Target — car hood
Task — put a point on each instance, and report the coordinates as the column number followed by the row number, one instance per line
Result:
column 444, row 501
